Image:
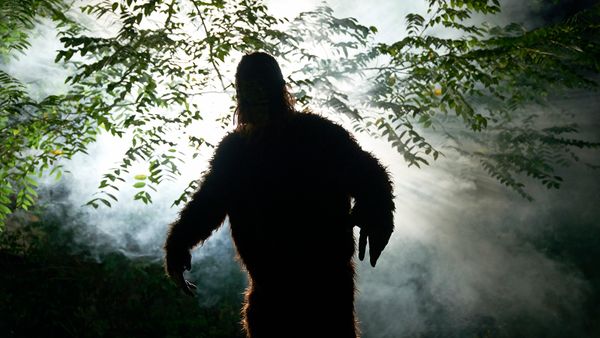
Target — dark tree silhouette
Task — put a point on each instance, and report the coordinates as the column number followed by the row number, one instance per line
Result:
column 286, row 179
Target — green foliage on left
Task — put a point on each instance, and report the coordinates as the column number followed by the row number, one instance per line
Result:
column 35, row 133
column 53, row 286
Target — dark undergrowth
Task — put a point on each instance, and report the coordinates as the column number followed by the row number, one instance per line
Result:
column 51, row 286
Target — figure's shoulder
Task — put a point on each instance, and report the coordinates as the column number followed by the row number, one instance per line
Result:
column 323, row 133
column 232, row 137
column 309, row 117
column 230, row 142
column 317, row 123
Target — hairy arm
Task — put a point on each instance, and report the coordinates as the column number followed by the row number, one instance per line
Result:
column 370, row 186
column 202, row 215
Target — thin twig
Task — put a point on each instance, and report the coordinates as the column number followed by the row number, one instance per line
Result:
column 210, row 46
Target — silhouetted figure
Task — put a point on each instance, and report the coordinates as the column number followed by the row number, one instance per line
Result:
column 286, row 180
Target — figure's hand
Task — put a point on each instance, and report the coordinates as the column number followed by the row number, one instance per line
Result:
column 177, row 261
column 375, row 232
column 377, row 242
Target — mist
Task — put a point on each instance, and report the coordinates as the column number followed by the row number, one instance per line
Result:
column 471, row 258
column 468, row 258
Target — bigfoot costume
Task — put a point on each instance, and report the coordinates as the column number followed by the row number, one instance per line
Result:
column 287, row 186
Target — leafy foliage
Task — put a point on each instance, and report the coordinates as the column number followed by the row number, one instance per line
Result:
column 142, row 79
column 490, row 78
column 35, row 133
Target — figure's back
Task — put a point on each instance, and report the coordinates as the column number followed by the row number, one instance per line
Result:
column 290, row 222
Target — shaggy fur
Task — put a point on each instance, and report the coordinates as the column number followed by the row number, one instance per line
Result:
column 287, row 189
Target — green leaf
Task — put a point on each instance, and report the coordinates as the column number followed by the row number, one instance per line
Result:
column 139, row 185
column 4, row 209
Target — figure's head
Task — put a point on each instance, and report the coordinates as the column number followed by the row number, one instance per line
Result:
column 261, row 91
